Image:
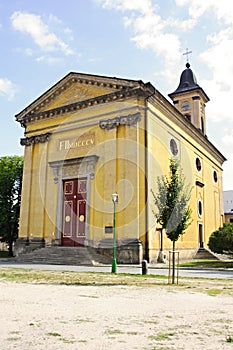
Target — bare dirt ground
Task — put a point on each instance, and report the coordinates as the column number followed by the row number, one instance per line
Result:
column 96, row 317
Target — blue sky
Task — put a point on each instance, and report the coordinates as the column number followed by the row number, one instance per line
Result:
column 42, row 41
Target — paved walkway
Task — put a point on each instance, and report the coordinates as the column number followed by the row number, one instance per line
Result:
column 157, row 269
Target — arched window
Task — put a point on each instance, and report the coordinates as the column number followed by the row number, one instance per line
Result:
column 199, row 208
column 198, row 164
column 185, row 106
column 202, row 125
column 215, row 176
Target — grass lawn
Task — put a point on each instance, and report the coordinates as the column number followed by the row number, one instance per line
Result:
column 208, row 263
column 210, row 286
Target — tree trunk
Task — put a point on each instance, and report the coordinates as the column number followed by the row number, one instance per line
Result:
column 173, row 262
column 10, row 244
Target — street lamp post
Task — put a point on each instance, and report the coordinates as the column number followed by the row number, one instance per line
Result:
column 114, row 262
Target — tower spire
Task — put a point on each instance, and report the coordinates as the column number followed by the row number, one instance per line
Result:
column 190, row 99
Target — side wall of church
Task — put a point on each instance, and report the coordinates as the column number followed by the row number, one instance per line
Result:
column 203, row 174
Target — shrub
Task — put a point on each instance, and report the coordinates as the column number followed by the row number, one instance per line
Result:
column 221, row 240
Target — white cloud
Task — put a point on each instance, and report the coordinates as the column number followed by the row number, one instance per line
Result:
column 29, row 51
column 48, row 59
column 39, row 31
column 228, row 171
column 143, row 6
column 218, row 59
column 7, row 88
column 197, row 8
column 150, row 30
column 228, row 139
column 181, row 24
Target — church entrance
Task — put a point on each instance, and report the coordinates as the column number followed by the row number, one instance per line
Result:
column 74, row 212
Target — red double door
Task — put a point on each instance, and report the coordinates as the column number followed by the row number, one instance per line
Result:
column 74, row 212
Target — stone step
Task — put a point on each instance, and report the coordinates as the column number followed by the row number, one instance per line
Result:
column 204, row 253
column 64, row 256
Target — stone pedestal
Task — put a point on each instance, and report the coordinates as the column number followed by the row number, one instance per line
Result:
column 161, row 257
column 129, row 251
column 26, row 245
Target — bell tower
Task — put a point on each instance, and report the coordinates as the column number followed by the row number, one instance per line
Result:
column 190, row 99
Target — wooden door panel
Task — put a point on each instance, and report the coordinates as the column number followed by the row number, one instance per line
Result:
column 68, row 219
column 68, row 223
column 74, row 212
column 81, row 221
column 69, row 188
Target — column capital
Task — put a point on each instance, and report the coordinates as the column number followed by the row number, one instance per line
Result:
column 28, row 141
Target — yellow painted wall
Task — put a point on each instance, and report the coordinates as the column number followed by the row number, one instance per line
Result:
column 161, row 131
column 116, row 170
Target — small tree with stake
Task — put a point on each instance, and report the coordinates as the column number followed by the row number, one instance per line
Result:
column 174, row 213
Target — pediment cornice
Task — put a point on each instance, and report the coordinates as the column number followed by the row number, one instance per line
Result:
column 142, row 90
column 41, row 105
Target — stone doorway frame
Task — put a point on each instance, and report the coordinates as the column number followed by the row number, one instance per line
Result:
column 72, row 169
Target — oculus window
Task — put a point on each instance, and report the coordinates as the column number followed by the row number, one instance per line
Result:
column 173, row 147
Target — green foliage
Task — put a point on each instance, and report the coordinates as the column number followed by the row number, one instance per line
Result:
column 172, row 200
column 229, row 339
column 221, row 240
column 11, row 170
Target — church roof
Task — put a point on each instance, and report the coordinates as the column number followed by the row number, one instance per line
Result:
column 188, row 82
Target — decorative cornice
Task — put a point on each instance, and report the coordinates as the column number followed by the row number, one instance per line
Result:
column 142, row 90
column 129, row 120
column 109, row 124
column 28, row 141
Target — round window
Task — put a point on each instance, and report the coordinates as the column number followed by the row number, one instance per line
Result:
column 215, row 176
column 200, row 210
column 198, row 164
column 173, row 147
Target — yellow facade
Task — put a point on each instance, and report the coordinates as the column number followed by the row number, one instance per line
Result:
column 100, row 135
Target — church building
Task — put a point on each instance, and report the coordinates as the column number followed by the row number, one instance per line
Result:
column 89, row 137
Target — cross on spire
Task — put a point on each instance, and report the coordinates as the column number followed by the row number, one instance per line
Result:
column 187, row 54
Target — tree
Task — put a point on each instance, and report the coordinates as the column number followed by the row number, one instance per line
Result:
column 11, row 170
column 171, row 200
column 221, row 240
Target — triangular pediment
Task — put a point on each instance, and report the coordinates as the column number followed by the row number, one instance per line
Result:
column 75, row 93
column 74, row 88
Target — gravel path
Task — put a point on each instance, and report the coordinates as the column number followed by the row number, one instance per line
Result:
column 38, row 316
